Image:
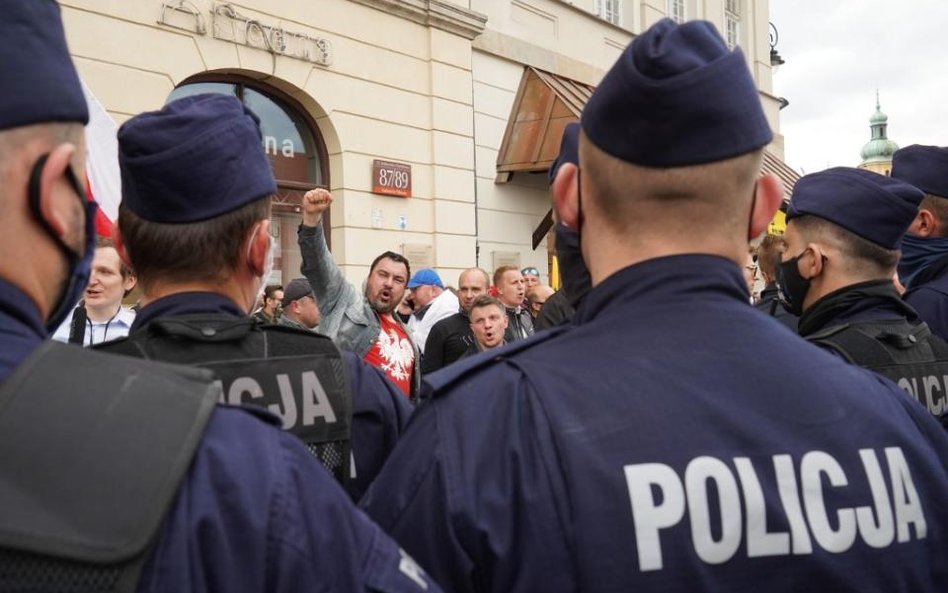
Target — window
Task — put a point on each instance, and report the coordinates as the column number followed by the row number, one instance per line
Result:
column 608, row 10
column 732, row 22
column 676, row 10
column 296, row 152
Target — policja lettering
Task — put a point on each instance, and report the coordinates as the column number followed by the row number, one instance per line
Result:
column 288, row 388
column 928, row 392
column 660, row 497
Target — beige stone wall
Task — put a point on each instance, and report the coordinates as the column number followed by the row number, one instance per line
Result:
column 402, row 86
column 564, row 38
column 396, row 90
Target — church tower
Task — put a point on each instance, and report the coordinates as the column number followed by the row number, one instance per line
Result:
column 877, row 153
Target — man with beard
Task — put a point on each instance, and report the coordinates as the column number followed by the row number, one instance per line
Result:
column 361, row 323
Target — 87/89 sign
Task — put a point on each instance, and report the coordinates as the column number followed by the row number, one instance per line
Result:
column 391, row 179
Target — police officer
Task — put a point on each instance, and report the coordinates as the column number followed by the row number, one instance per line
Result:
column 574, row 276
column 843, row 231
column 647, row 446
column 203, row 249
column 923, row 268
column 119, row 474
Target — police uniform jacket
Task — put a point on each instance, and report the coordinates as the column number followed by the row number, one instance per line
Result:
column 906, row 351
column 447, row 342
column 928, row 294
column 253, row 511
column 345, row 316
column 603, row 455
column 379, row 410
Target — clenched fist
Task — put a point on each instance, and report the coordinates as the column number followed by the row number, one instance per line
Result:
column 315, row 202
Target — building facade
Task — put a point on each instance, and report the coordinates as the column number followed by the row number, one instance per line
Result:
column 432, row 122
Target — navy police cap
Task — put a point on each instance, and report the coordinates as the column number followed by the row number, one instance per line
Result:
column 677, row 97
column 873, row 206
column 569, row 149
column 196, row 158
column 925, row 167
column 37, row 77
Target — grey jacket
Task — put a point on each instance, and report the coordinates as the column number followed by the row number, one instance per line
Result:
column 346, row 317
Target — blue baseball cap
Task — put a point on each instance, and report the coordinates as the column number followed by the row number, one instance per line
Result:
column 38, row 79
column 677, row 96
column 425, row 277
column 196, row 158
column 875, row 207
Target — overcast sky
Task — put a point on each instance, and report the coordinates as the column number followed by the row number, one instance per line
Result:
column 837, row 53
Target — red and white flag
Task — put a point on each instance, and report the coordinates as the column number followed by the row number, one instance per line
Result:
column 103, row 180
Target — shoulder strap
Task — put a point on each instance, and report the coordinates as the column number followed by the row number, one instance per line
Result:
column 879, row 344
column 94, row 452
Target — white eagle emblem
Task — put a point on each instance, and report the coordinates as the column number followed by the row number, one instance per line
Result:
column 397, row 355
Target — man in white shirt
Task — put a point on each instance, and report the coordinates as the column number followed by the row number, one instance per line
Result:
column 100, row 316
column 431, row 303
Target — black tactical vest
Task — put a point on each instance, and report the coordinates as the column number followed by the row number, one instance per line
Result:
column 906, row 353
column 298, row 376
column 76, row 429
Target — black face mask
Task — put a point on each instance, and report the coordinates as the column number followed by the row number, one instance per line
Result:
column 80, row 264
column 793, row 286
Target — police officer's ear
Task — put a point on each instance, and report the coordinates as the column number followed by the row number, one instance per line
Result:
column 259, row 248
column 925, row 224
column 768, row 195
column 57, row 199
column 565, row 191
column 811, row 261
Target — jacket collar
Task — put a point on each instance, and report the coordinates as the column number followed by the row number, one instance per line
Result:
column 186, row 303
column 692, row 279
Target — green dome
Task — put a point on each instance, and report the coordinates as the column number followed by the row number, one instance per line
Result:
column 879, row 148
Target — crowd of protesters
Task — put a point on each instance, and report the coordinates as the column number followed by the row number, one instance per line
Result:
column 650, row 426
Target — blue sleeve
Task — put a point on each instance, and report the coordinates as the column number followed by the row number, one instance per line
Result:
column 380, row 412
column 257, row 513
column 932, row 308
column 473, row 485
